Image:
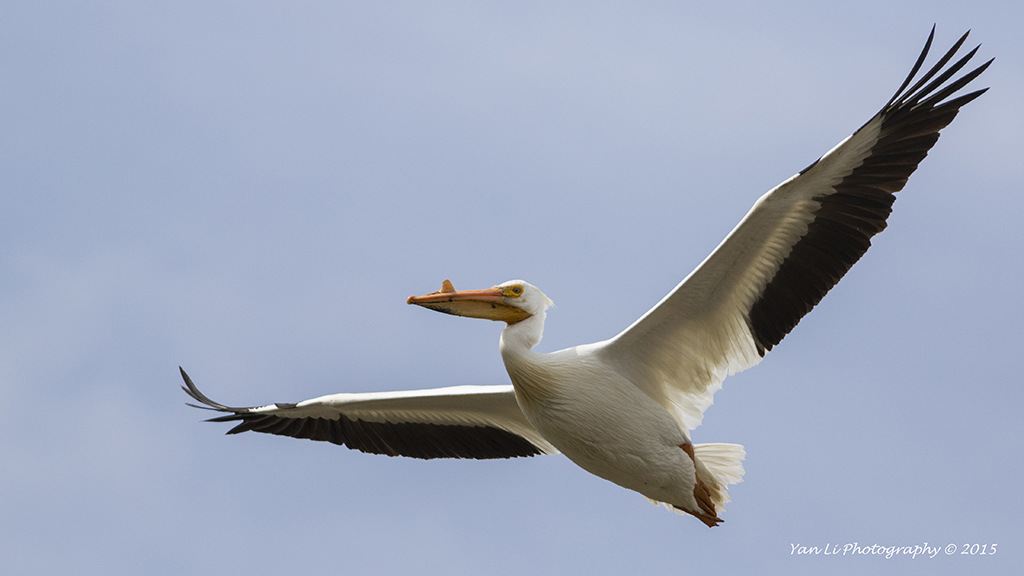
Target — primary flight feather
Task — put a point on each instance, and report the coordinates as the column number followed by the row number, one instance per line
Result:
column 622, row 409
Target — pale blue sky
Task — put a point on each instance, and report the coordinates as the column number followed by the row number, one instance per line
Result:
column 252, row 189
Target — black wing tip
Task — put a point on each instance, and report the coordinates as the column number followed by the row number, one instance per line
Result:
column 913, row 96
column 207, row 404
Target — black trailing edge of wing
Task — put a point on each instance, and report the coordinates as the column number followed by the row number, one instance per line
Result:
column 858, row 208
column 411, row 439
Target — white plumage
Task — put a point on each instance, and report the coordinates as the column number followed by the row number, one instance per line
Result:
column 622, row 409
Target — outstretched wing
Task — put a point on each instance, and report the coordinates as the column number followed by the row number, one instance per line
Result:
column 791, row 248
column 457, row 422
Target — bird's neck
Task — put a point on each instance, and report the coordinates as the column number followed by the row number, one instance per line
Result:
column 519, row 339
column 527, row 369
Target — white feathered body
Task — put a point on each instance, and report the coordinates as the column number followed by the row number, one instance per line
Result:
column 603, row 422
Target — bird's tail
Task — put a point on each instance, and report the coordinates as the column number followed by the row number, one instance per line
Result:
column 717, row 465
column 723, row 465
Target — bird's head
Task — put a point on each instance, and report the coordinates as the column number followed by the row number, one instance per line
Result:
column 511, row 302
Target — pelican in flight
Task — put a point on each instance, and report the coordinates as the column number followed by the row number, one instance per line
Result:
column 623, row 409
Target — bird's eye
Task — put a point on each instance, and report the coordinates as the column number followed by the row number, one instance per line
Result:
column 513, row 291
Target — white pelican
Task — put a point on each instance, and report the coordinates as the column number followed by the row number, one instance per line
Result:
column 623, row 408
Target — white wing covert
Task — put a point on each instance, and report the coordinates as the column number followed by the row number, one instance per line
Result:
column 479, row 422
column 793, row 246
